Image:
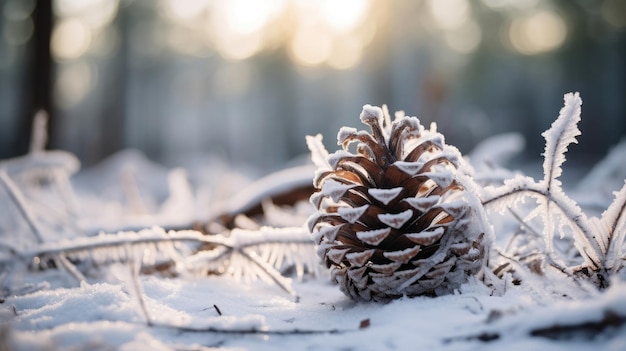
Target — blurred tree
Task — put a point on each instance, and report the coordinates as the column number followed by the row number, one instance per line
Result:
column 37, row 94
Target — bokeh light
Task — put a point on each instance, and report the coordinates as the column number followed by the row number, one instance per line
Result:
column 310, row 46
column 296, row 62
column 344, row 16
column 464, row 39
column 449, row 14
column 539, row 32
column 73, row 83
column 346, row 53
column 184, row 10
column 314, row 33
column 70, row 39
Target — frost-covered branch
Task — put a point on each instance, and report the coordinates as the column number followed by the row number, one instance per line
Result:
column 17, row 198
column 264, row 251
column 570, row 211
column 561, row 133
column 598, row 241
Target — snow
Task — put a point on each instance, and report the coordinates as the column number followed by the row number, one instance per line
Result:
column 43, row 308
column 396, row 220
column 563, row 132
column 352, row 214
column 373, row 237
column 385, row 195
column 319, row 155
column 371, row 114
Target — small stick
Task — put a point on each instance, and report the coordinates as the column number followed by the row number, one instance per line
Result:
column 18, row 198
column 136, row 285
column 39, row 133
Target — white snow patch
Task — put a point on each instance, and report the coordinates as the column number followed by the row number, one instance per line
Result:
column 351, row 214
column 385, row 195
column 396, row 220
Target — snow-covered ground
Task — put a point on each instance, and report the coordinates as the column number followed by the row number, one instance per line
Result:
column 92, row 298
column 103, row 315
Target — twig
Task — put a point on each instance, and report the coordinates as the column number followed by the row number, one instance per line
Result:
column 484, row 337
column 18, row 198
column 116, row 240
column 524, row 224
column 39, row 133
column 565, row 208
column 590, row 329
column 72, row 246
column 281, row 281
column 70, row 267
column 251, row 331
column 136, row 285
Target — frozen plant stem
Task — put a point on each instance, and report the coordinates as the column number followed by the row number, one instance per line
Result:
column 584, row 233
column 62, row 261
column 524, row 224
column 136, row 285
column 18, row 199
column 599, row 241
column 282, row 282
column 39, row 133
column 245, row 244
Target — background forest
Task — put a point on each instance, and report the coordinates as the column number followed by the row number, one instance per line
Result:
column 184, row 78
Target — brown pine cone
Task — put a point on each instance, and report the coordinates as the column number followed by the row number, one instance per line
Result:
column 395, row 217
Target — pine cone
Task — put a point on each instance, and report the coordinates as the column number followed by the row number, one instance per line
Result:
column 395, row 217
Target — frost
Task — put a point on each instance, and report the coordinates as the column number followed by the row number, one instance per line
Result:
column 319, row 155
column 562, row 133
column 594, row 239
column 352, row 214
column 385, row 195
column 330, row 232
column 410, row 168
column 395, row 220
column 427, row 237
column 403, row 256
column 423, row 204
column 373, row 237
column 440, row 175
column 344, row 134
column 371, row 113
column 336, row 255
column 358, row 259
column 614, row 226
column 337, row 156
column 335, row 189
column 386, row 269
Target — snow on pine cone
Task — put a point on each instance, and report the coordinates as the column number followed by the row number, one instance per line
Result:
column 396, row 217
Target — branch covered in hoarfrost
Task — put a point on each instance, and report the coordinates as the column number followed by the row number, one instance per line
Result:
column 319, row 154
column 562, row 132
column 18, row 199
column 614, row 222
column 599, row 241
column 264, row 251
